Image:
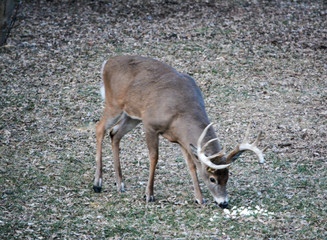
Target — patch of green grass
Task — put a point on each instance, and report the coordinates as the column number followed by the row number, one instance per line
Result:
column 303, row 169
column 279, row 163
column 122, row 230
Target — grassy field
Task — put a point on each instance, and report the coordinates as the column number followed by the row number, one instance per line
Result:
column 263, row 62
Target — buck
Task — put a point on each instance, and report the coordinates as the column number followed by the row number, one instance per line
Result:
column 168, row 103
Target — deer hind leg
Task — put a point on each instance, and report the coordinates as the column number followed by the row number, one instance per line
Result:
column 192, row 168
column 109, row 119
column 152, row 140
column 125, row 125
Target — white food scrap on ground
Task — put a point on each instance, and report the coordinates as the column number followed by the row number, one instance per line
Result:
column 246, row 212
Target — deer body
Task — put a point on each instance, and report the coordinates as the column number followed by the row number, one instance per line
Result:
column 169, row 104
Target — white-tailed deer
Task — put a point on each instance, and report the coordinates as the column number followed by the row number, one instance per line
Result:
column 170, row 104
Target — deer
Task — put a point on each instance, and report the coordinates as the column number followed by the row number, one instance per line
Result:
column 168, row 103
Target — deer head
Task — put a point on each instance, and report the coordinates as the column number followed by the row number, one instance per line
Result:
column 214, row 168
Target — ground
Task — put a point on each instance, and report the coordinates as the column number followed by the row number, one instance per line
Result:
column 263, row 62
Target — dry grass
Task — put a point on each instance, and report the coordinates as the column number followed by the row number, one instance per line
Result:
column 257, row 61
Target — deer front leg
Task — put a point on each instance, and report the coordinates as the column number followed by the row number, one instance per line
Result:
column 192, row 168
column 152, row 141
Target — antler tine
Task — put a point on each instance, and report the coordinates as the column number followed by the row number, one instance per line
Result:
column 246, row 146
column 245, row 139
column 200, row 152
column 203, row 148
column 206, row 145
column 220, row 154
column 257, row 139
column 263, row 150
column 202, row 135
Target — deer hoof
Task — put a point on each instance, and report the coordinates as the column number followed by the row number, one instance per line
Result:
column 150, row 198
column 203, row 202
column 122, row 188
column 97, row 189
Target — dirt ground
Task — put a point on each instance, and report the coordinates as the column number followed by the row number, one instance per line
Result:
column 263, row 62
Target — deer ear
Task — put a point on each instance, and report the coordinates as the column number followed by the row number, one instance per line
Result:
column 194, row 151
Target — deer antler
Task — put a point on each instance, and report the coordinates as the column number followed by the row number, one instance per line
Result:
column 246, row 146
column 233, row 155
column 203, row 158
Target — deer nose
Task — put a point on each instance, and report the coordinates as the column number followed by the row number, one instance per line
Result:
column 223, row 205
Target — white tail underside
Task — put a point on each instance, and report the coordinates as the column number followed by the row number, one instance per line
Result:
column 102, row 89
column 103, row 92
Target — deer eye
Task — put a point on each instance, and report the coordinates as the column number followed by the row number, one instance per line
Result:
column 212, row 180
